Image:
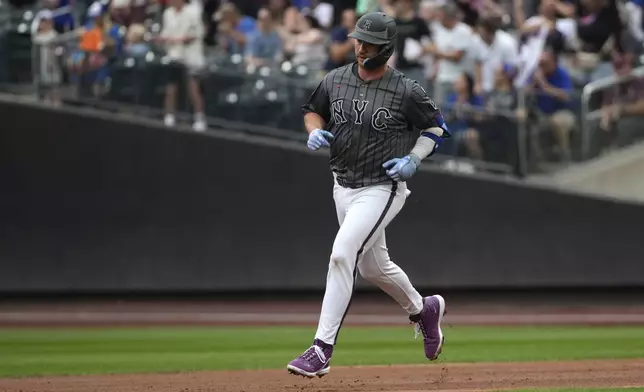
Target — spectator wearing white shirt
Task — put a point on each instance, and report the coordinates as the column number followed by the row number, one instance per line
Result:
column 496, row 48
column 452, row 47
column 49, row 73
column 182, row 33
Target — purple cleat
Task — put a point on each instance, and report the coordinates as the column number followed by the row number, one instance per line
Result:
column 428, row 322
column 313, row 362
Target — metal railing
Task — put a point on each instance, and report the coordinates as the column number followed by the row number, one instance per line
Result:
column 268, row 99
column 588, row 115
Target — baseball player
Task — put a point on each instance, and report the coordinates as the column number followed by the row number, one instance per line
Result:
column 379, row 126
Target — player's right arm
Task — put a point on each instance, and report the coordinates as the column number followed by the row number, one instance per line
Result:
column 317, row 113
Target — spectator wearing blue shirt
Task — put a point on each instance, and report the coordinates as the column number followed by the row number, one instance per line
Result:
column 341, row 51
column 94, row 66
column 63, row 19
column 135, row 44
column 233, row 29
column 264, row 46
column 462, row 112
column 553, row 87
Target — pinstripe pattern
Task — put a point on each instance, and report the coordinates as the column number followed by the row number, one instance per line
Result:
column 372, row 121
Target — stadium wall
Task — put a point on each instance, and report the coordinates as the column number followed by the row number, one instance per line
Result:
column 93, row 203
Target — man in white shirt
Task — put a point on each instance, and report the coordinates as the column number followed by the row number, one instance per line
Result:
column 496, row 48
column 182, row 34
column 452, row 48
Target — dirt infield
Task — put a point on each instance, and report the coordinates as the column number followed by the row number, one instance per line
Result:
column 435, row 376
column 432, row 376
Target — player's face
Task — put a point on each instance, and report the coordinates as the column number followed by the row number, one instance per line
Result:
column 364, row 50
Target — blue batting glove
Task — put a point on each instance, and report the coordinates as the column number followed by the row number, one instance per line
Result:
column 319, row 138
column 401, row 169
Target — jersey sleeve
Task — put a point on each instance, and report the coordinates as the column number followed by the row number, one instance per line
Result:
column 318, row 101
column 422, row 112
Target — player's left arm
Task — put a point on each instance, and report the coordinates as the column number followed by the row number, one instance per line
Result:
column 422, row 113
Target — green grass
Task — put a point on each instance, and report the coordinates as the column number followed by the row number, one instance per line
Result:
column 25, row 352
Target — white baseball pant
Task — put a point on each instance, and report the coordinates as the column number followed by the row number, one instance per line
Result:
column 360, row 244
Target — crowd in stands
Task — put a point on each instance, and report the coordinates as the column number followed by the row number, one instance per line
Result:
column 474, row 56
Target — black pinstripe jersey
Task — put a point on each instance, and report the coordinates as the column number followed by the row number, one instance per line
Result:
column 372, row 121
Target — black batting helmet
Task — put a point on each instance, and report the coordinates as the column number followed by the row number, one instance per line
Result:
column 378, row 29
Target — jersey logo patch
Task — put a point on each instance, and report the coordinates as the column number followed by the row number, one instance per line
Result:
column 336, row 111
column 378, row 119
column 359, row 108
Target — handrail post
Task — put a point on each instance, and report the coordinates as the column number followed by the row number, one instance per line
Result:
column 522, row 135
column 585, row 129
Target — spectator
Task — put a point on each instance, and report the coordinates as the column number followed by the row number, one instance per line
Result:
column 525, row 9
column 101, row 41
column 412, row 30
column 135, row 45
column 599, row 30
column 460, row 108
column 278, row 9
column 341, row 50
column 473, row 9
column 126, row 12
column 264, row 45
column 496, row 48
column 623, row 105
column 427, row 11
column 469, row 10
column 452, row 48
column 247, row 7
column 182, row 33
column 496, row 135
column 120, row 11
column 323, row 13
column 233, row 28
column 385, row 6
column 49, row 73
column 535, row 33
column 308, row 45
column 634, row 9
column 553, row 86
column 63, row 17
